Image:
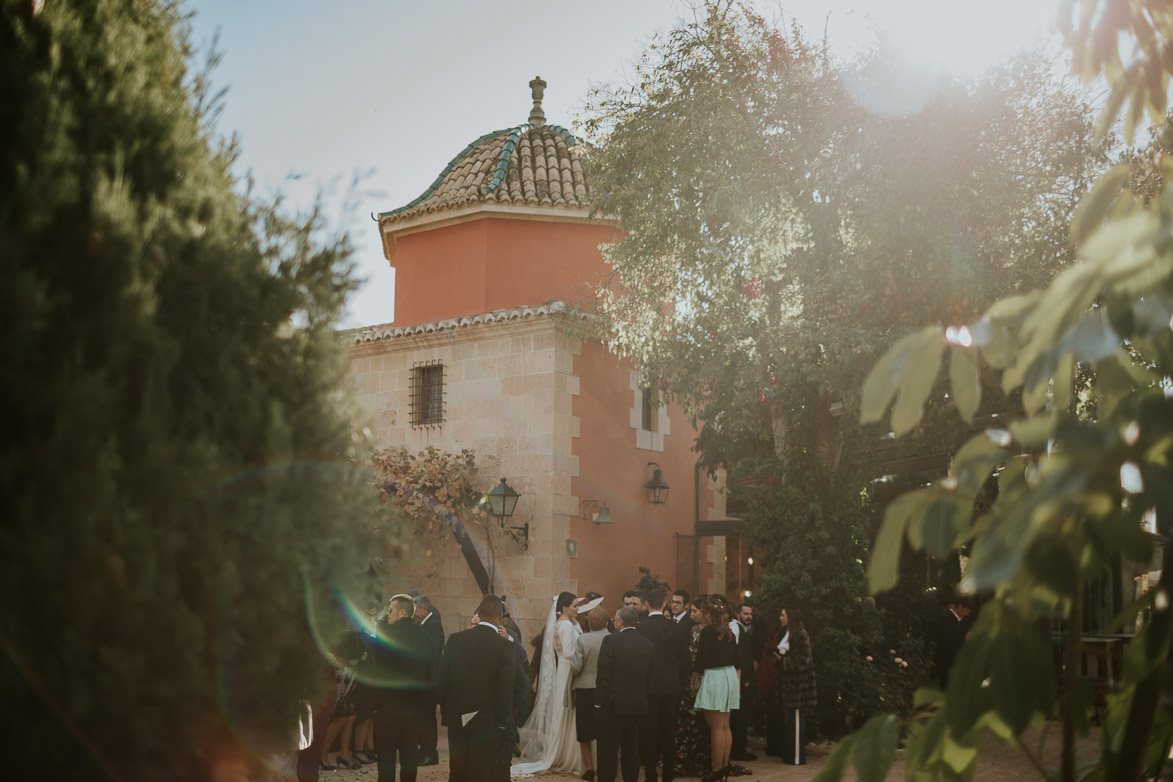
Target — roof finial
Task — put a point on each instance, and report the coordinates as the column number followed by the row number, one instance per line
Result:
column 537, row 117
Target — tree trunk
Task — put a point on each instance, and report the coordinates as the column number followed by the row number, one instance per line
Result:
column 780, row 426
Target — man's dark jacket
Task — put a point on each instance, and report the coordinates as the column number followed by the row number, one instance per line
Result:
column 748, row 651
column 671, row 671
column 477, row 673
column 401, row 666
column 624, row 679
column 435, row 631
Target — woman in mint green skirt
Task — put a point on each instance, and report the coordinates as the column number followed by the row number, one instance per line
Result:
column 717, row 684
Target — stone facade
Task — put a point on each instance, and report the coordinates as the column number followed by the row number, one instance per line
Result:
column 508, row 386
column 491, row 261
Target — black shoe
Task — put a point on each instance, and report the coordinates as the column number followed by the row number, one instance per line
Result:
column 429, row 759
column 589, row 775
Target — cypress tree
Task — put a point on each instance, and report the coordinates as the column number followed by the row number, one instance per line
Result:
column 175, row 487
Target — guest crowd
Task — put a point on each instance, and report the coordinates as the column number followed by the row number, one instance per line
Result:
column 664, row 683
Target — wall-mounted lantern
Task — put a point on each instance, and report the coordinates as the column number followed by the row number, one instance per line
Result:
column 502, row 502
column 656, row 488
column 598, row 510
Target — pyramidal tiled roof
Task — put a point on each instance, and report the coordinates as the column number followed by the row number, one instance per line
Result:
column 529, row 165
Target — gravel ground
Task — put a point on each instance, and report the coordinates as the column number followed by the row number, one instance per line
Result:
column 996, row 762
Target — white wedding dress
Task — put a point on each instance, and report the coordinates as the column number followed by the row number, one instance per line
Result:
column 549, row 742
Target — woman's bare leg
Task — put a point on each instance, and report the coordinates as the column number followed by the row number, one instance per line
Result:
column 331, row 734
column 364, row 733
column 585, row 748
column 719, row 736
column 348, row 729
column 726, row 737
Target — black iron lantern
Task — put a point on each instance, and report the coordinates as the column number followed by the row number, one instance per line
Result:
column 502, row 501
column 657, row 488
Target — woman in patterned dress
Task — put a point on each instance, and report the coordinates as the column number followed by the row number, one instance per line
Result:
column 692, row 734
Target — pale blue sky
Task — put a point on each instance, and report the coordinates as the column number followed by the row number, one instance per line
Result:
column 325, row 90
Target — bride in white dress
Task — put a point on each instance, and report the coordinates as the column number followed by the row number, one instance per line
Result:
column 548, row 739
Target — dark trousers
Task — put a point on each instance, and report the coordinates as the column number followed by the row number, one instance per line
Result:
column 739, row 722
column 397, row 734
column 775, row 728
column 658, row 736
column 619, row 746
column 428, row 731
column 794, row 738
column 475, row 753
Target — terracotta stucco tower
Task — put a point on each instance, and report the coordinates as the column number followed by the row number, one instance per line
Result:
column 504, row 225
column 489, row 351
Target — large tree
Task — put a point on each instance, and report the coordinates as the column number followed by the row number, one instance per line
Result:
column 175, row 492
column 776, row 232
column 777, row 237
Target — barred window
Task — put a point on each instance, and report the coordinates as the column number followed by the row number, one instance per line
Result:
column 427, row 394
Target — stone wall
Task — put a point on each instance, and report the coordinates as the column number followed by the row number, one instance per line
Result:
column 508, row 391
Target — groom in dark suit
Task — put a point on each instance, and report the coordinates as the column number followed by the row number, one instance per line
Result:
column 622, row 685
column 670, row 674
column 475, row 690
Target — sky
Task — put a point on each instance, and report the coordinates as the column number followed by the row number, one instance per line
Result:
column 366, row 101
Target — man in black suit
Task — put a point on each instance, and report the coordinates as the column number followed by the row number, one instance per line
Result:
column 429, row 619
column 475, row 690
column 512, row 633
column 402, row 675
column 951, row 630
column 670, row 673
column 622, row 685
column 749, row 651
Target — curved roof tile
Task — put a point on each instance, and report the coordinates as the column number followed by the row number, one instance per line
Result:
column 524, row 166
column 388, row 331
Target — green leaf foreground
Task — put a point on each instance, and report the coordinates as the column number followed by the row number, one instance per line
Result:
column 1088, row 360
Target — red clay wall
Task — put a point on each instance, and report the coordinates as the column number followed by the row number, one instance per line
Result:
column 491, row 264
column 440, row 274
column 611, row 467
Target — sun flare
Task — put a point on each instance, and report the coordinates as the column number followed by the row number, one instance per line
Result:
column 961, row 37
column 925, row 41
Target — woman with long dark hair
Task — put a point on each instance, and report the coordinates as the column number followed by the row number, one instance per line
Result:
column 718, row 685
column 549, row 739
column 791, row 690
